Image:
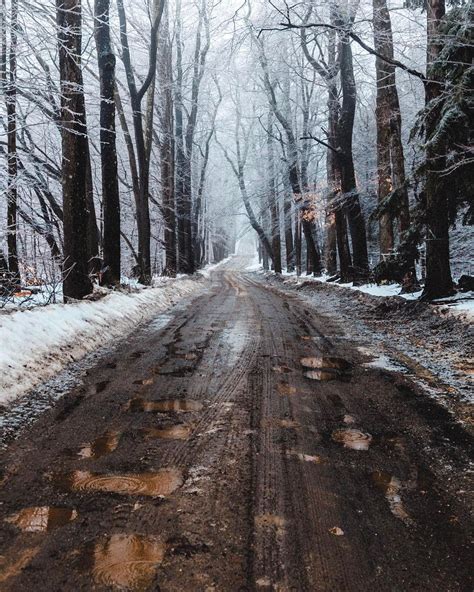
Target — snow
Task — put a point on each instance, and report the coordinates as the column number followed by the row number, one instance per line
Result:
column 462, row 304
column 206, row 271
column 39, row 342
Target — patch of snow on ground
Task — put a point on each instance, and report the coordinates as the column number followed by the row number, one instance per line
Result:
column 206, row 271
column 39, row 342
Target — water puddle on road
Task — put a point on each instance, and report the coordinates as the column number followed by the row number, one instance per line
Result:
column 160, row 483
column 286, row 390
column 99, row 447
column 42, row 518
column 391, row 487
column 271, row 521
column 326, row 375
column 176, row 432
column 125, row 561
column 139, row 404
column 325, row 363
column 324, row 368
column 353, row 439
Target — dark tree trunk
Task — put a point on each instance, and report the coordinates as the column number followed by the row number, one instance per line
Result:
column 167, row 152
column 345, row 127
column 136, row 97
column 439, row 281
column 288, row 225
column 12, row 159
column 76, row 281
column 273, row 201
column 391, row 159
column 108, row 153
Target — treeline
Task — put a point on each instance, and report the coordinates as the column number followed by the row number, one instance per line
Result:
column 155, row 101
column 149, row 130
column 415, row 204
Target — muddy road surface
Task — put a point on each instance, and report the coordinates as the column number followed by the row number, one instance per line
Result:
column 245, row 445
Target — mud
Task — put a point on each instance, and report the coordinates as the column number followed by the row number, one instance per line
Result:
column 139, row 404
column 212, row 459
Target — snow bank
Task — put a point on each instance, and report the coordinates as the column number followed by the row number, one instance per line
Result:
column 37, row 343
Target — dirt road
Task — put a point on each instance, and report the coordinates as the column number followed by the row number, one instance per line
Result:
column 243, row 446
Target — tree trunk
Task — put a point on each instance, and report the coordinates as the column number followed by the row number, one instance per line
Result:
column 273, row 200
column 439, row 281
column 76, row 281
column 167, row 151
column 108, row 152
column 12, row 160
column 345, row 127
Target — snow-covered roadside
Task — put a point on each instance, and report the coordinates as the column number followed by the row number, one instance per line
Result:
column 38, row 343
column 426, row 343
column 460, row 305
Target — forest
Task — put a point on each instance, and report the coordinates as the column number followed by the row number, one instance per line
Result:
column 143, row 139
column 236, row 295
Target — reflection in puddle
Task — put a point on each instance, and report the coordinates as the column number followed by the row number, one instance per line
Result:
column 101, row 446
column 42, row 518
column 391, row 486
column 160, row 483
column 325, row 375
column 139, row 404
column 176, row 432
column 126, row 561
column 286, row 389
column 353, row 439
column 326, row 363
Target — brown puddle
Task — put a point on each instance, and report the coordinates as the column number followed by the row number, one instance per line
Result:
column 326, row 363
column 325, row 375
column 286, row 389
column 353, row 439
column 271, row 521
column 176, row 432
column 126, row 561
column 160, row 483
column 391, row 486
column 42, row 518
column 139, row 404
column 101, row 446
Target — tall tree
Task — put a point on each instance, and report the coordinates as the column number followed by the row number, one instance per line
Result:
column 439, row 281
column 76, row 281
column 9, row 84
column 108, row 152
column 167, row 147
column 137, row 95
column 390, row 153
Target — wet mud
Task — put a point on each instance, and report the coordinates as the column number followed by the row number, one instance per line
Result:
column 237, row 447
